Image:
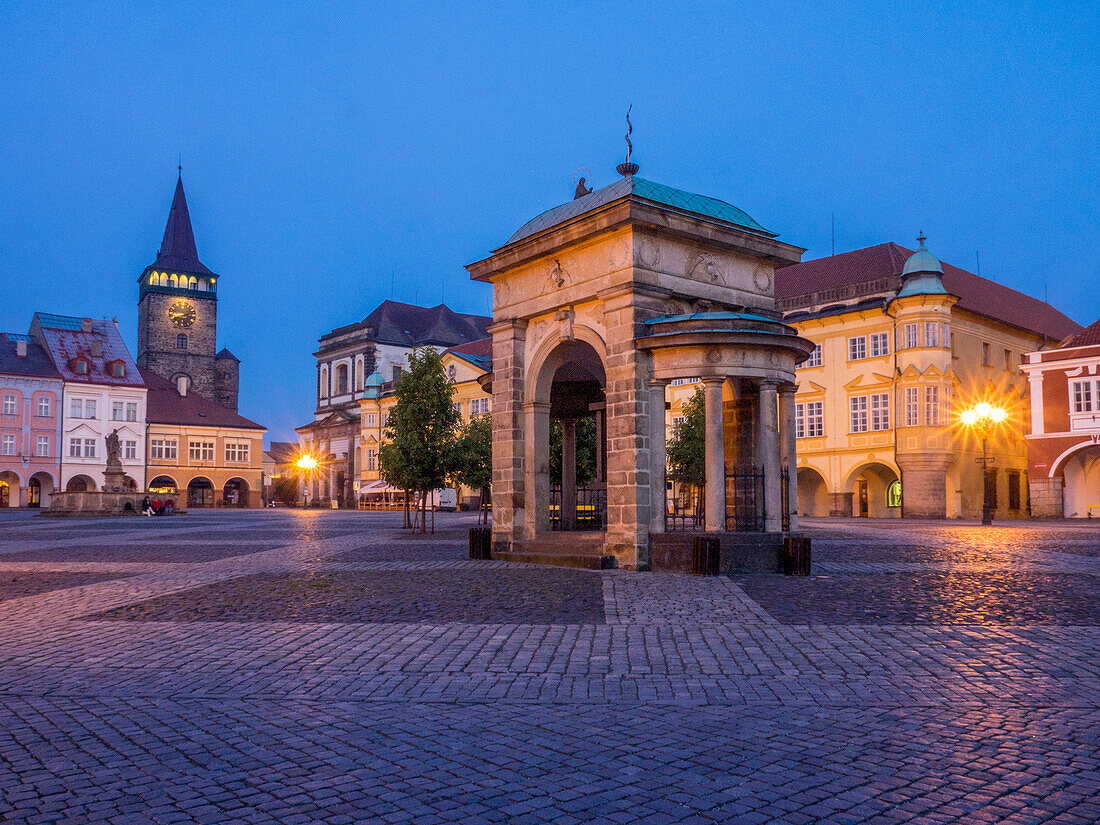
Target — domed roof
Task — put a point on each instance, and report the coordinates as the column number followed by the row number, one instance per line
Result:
column 374, row 379
column 921, row 261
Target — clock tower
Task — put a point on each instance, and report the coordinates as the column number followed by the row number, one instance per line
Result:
column 178, row 315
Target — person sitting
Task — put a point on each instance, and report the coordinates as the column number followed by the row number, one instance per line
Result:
column 169, row 506
column 146, row 506
column 158, row 507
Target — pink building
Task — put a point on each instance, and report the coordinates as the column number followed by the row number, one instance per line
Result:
column 30, row 423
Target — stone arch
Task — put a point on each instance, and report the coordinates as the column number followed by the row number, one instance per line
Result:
column 341, row 380
column 813, row 493
column 9, row 489
column 1058, row 465
column 200, row 492
column 235, row 492
column 165, row 485
column 40, row 487
column 80, row 484
column 553, row 352
column 872, row 478
column 1081, row 494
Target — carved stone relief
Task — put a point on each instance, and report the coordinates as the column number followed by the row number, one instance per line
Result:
column 705, row 267
column 763, row 279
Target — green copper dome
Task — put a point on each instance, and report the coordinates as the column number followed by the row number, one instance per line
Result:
column 372, row 387
column 922, row 273
column 921, row 261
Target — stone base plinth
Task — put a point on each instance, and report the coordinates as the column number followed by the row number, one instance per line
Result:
column 840, row 505
column 1046, row 497
column 96, row 503
column 738, row 552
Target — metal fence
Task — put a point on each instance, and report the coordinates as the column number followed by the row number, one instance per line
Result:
column 591, row 514
column 745, row 500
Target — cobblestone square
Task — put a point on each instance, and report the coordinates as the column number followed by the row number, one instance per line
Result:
column 328, row 667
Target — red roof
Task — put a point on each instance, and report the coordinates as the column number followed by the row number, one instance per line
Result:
column 476, row 351
column 68, row 339
column 165, row 405
column 1088, row 338
column 885, row 262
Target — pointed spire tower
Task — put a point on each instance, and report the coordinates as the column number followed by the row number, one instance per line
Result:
column 178, row 314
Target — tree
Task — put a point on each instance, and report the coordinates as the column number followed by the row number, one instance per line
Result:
column 586, row 451
column 421, row 429
column 473, row 459
column 286, row 489
column 686, row 450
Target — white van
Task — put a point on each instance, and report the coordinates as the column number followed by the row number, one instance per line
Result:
column 445, row 500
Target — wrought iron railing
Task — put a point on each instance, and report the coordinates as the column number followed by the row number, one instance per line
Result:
column 591, row 512
column 785, row 497
column 745, row 500
column 684, row 511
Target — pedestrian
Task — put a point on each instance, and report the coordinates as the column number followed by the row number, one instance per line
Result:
column 146, row 506
column 169, row 506
column 158, row 508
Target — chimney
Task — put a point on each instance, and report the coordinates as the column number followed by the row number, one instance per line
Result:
column 85, row 324
column 21, row 349
column 97, row 348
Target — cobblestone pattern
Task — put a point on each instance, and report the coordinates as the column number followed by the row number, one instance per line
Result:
column 694, row 700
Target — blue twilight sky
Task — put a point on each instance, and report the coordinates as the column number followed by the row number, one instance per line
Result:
column 337, row 154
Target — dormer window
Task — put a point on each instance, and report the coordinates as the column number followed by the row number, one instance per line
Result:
column 116, row 369
column 81, row 365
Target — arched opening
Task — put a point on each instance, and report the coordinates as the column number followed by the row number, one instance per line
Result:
column 39, row 489
column 200, row 493
column 235, row 493
column 172, row 281
column 566, row 431
column 342, row 379
column 80, row 484
column 872, row 496
column 9, row 489
column 164, row 486
column 1081, row 494
column 813, row 493
column 129, row 485
column 324, row 383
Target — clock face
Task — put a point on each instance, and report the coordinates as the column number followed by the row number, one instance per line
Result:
column 182, row 314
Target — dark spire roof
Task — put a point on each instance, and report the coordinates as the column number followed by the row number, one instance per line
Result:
column 177, row 250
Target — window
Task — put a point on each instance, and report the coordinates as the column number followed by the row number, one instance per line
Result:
column 342, row 379
column 1082, row 396
column 857, row 407
column 679, row 382
column 911, row 336
column 931, row 334
column 7, row 445
column 813, row 361
column 372, row 459
column 880, row 344
column 163, row 448
column 857, row 348
column 677, row 420
column 44, row 406
column 370, row 419
column 931, row 406
column 880, row 411
column 74, row 447
column 181, row 341
column 116, row 410
column 236, row 452
column 80, row 366
column 985, row 355
column 118, row 369
column 323, row 391
column 991, row 488
column 385, row 419
column 479, row 406
column 89, row 448
column 129, row 449
column 9, row 405
column 912, row 406
column 1013, row 490
column 396, row 373
column 89, row 408
column 458, row 407
column 1008, row 359
column 131, row 410
column 42, row 446
column 809, row 420
column 76, row 408
column 947, row 336
column 200, row 451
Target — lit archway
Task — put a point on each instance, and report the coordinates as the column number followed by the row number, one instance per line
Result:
column 39, row 489
column 9, row 489
column 164, row 486
column 813, row 493
column 235, row 493
column 872, row 497
column 1081, row 494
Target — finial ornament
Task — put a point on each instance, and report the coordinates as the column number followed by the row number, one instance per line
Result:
column 626, row 169
column 921, row 239
column 179, row 167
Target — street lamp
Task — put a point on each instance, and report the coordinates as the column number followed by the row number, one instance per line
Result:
column 983, row 417
column 309, row 464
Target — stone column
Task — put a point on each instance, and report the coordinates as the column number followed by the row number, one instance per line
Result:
column 509, row 502
column 924, row 484
column 536, row 458
column 601, row 460
column 788, row 450
column 715, row 515
column 569, row 474
column 769, row 456
column 657, row 457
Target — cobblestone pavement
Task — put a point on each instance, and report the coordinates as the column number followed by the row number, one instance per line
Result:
column 326, row 667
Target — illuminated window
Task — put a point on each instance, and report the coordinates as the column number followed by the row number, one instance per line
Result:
column 172, row 281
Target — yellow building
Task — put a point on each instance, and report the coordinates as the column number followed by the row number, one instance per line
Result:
column 465, row 365
column 198, row 452
column 903, row 345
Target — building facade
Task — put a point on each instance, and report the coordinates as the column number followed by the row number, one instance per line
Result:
column 30, row 423
column 346, row 357
column 1064, row 439
column 178, row 316
column 201, row 453
column 903, row 345
column 103, row 392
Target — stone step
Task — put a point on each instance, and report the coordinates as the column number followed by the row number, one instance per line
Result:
column 577, row 550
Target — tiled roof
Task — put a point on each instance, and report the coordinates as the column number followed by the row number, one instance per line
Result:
column 177, row 250
column 225, row 353
column 409, row 325
column 645, row 190
column 35, row 363
column 1089, row 337
column 479, row 353
column 283, row 452
column 165, row 405
column 885, row 262
column 64, row 338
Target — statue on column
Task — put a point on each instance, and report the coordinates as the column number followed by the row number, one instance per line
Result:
column 114, row 450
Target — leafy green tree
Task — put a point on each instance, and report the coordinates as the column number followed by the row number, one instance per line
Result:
column 421, row 431
column 286, row 489
column 473, row 459
column 686, row 449
column 586, row 451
